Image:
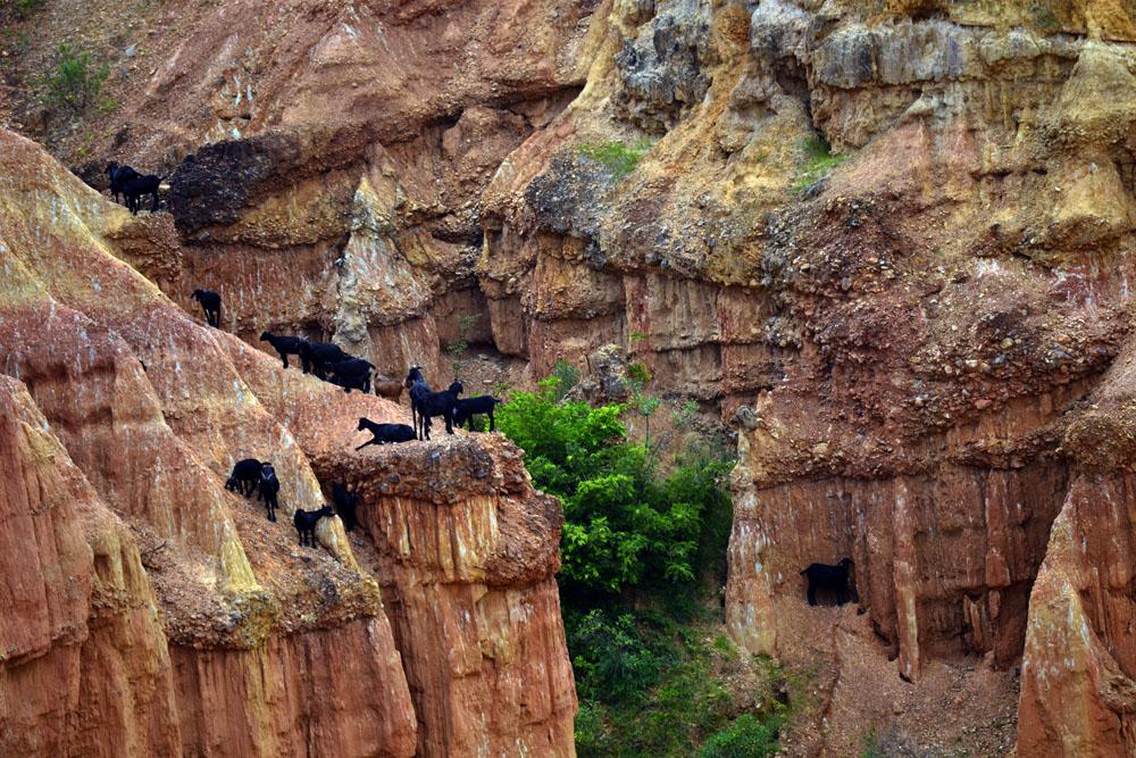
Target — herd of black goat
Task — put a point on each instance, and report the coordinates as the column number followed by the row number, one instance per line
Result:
column 331, row 363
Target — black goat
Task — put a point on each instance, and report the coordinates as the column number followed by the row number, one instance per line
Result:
column 351, row 374
column 245, row 476
column 119, row 175
column 284, row 345
column 210, row 305
column 345, row 502
column 429, row 404
column 832, row 579
column 305, row 523
column 383, row 434
column 315, row 357
column 465, row 410
column 414, row 377
column 268, row 487
column 137, row 187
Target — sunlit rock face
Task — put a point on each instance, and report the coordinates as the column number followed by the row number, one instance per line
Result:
column 886, row 241
column 902, row 335
column 151, row 611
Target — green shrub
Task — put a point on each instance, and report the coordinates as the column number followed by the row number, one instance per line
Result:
column 819, row 162
column 568, row 375
column 747, row 737
column 638, row 541
column 612, row 664
column 74, row 81
column 616, row 157
column 592, row 736
column 25, row 8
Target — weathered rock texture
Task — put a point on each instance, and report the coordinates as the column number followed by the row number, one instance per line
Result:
column 890, row 241
column 902, row 335
column 150, row 612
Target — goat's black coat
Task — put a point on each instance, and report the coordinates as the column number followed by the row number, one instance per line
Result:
column 245, row 476
column 284, row 345
column 137, row 187
column 833, row 579
column 210, row 305
column 316, row 357
column 119, row 175
column 305, row 523
column 346, row 502
column 429, row 404
column 384, row 433
column 351, row 373
column 414, row 377
column 466, row 409
column 268, row 487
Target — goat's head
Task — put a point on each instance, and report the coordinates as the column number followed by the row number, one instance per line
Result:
column 363, row 421
column 111, row 168
column 265, row 336
column 457, row 388
column 197, row 294
column 845, row 564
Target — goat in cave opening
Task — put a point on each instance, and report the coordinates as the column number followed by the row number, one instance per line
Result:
column 835, row 579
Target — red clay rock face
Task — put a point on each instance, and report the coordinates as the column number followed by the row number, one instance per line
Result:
column 901, row 340
column 156, row 613
column 329, row 159
column 1079, row 667
column 470, row 584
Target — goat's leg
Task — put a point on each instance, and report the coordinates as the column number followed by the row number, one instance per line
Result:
column 492, row 428
column 812, row 594
column 372, row 441
column 284, row 357
column 449, row 417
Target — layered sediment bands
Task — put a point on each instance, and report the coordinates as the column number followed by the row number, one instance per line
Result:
column 470, row 586
column 326, row 161
column 891, row 242
column 84, row 668
column 152, row 611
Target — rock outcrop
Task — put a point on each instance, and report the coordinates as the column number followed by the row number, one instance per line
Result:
column 888, row 241
column 151, row 611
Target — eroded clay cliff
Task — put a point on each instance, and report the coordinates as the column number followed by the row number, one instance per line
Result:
column 885, row 241
column 151, row 611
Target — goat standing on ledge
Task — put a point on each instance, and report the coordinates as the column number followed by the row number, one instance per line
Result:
column 210, row 305
column 305, row 523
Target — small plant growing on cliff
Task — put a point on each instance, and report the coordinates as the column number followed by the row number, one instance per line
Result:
column 567, row 375
column 456, row 350
column 74, row 81
column 819, row 163
column 615, row 156
column 1043, row 17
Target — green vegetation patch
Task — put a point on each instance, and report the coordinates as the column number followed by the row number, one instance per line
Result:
column 819, row 162
column 74, row 80
column 643, row 549
column 618, row 158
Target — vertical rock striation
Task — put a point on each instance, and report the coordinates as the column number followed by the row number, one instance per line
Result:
column 153, row 612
